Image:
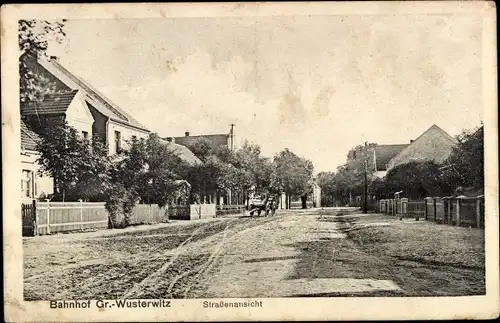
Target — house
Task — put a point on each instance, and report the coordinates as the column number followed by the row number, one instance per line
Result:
column 377, row 156
column 69, row 106
column 109, row 121
column 434, row 144
column 216, row 140
column 33, row 185
column 183, row 152
column 382, row 154
column 82, row 107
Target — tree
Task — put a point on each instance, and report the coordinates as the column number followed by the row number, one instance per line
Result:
column 33, row 40
column 94, row 179
column 149, row 170
column 326, row 180
column 347, row 183
column 465, row 166
column 292, row 175
column 379, row 188
column 146, row 171
column 201, row 148
column 79, row 169
column 259, row 168
column 417, row 180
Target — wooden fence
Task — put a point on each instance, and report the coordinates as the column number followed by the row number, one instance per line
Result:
column 459, row 211
column 28, row 216
column 148, row 214
column 229, row 209
column 54, row 217
column 41, row 218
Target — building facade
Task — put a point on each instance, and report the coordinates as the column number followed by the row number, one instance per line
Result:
column 377, row 156
column 216, row 140
column 81, row 106
column 107, row 120
column 434, row 144
column 33, row 184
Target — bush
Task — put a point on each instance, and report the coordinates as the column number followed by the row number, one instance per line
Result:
column 120, row 204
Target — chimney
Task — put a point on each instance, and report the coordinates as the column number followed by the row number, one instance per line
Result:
column 54, row 58
column 411, row 141
column 187, row 133
column 170, row 139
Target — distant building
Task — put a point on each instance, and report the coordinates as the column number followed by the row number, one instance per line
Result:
column 377, row 156
column 216, row 140
column 316, row 195
column 183, row 152
column 434, row 144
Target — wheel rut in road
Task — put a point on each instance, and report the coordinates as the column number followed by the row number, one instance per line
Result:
column 263, row 262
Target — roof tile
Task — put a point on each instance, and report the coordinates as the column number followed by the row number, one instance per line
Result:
column 99, row 101
column 55, row 103
column 384, row 153
column 29, row 139
column 183, row 152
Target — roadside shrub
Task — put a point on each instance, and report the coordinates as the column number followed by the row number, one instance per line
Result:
column 120, row 204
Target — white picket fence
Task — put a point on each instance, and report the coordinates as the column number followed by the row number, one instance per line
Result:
column 54, row 217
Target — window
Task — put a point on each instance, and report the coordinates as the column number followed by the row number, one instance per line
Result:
column 118, row 141
column 26, row 183
column 85, row 135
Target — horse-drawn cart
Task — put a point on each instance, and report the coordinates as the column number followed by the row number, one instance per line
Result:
column 268, row 205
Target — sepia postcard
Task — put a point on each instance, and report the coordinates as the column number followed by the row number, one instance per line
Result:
column 264, row 161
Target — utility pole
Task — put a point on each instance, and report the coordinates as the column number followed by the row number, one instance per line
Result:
column 231, row 133
column 365, row 202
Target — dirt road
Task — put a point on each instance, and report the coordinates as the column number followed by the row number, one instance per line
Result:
column 291, row 254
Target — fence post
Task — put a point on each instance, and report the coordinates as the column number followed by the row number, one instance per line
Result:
column 426, row 212
column 478, row 213
column 404, row 207
column 35, row 225
column 48, row 216
column 458, row 212
column 450, row 210
column 435, row 208
column 81, row 214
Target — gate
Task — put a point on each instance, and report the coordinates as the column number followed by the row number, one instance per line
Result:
column 28, row 216
column 179, row 212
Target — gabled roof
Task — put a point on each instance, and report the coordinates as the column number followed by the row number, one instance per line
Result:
column 56, row 103
column 215, row 140
column 434, row 144
column 384, row 153
column 183, row 152
column 99, row 101
column 209, row 136
column 29, row 139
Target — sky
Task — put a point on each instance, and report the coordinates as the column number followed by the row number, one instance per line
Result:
column 318, row 85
